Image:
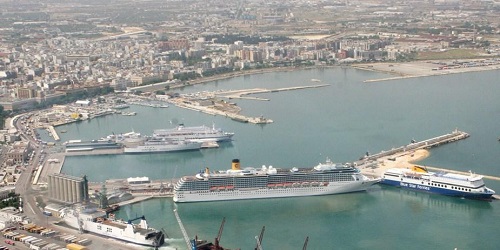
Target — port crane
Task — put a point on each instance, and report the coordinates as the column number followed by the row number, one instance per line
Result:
column 259, row 239
column 217, row 240
column 204, row 245
column 305, row 243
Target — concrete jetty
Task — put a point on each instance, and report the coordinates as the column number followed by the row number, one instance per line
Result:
column 403, row 157
column 433, row 142
column 212, row 111
column 241, row 94
column 53, row 132
column 227, row 109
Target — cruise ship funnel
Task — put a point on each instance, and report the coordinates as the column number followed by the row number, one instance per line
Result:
column 235, row 164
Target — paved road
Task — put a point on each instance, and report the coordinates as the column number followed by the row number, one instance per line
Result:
column 31, row 210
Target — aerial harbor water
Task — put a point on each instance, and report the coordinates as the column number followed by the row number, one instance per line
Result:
column 342, row 121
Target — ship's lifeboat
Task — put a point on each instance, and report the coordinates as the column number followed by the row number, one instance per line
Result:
column 306, row 184
column 229, row 187
column 325, row 184
column 315, row 184
column 279, row 185
column 288, row 184
column 296, row 184
column 213, row 188
column 271, row 185
column 222, row 188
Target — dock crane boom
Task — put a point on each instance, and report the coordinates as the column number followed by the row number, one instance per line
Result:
column 217, row 240
column 259, row 239
column 305, row 243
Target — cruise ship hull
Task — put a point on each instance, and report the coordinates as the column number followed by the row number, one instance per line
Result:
column 162, row 148
column 285, row 190
column 201, row 133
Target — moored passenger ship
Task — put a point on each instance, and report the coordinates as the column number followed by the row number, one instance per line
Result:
column 199, row 133
column 418, row 178
column 269, row 182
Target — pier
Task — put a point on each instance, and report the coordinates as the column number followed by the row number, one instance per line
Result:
column 183, row 230
column 209, row 104
column 403, row 157
column 426, row 144
column 53, row 132
column 181, row 103
column 241, row 94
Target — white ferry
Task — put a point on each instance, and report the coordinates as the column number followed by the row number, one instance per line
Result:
column 418, row 178
column 93, row 221
column 198, row 133
column 269, row 182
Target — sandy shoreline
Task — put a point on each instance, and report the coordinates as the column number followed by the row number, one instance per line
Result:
column 405, row 160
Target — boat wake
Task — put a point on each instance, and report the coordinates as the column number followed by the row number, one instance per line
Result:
column 172, row 244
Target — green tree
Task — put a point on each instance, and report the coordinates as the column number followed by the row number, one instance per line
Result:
column 2, row 116
column 12, row 200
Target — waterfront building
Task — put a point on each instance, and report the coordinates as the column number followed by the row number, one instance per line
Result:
column 10, row 217
column 138, row 180
column 7, row 136
column 19, row 152
column 68, row 189
column 25, row 92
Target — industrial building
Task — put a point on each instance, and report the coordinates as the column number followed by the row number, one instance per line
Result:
column 68, row 189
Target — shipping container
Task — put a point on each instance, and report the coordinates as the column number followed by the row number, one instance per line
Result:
column 73, row 246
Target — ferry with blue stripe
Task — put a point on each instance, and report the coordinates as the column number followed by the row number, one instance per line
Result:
column 418, row 178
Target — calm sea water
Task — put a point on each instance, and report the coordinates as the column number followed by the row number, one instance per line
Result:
column 341, row 121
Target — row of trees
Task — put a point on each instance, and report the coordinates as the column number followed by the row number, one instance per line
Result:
column 3, row 115
column 12, row 200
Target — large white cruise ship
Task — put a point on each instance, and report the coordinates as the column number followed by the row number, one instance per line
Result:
column 93, row 221
column 269, row 182
column 199, row 133
column 158, row 145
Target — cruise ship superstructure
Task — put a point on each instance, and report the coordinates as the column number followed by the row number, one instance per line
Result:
column 269, row 182
column 93, row 221
column 135, row 143
column 198, row 133
column 157, row 145
column 418, row 178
